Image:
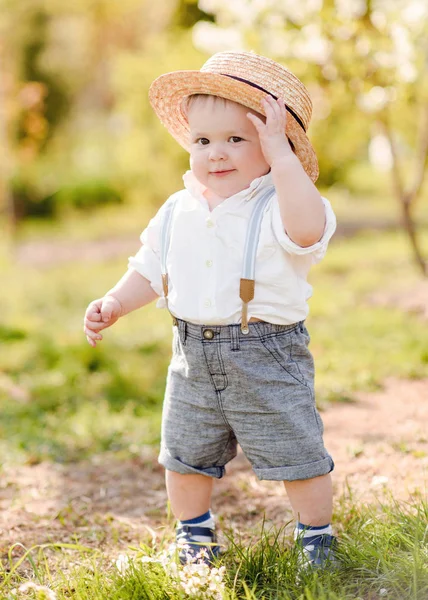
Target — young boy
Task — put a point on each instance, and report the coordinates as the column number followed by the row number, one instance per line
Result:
column 229, row 255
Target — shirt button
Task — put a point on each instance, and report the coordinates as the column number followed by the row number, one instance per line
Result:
column 210, row 223
column 207, row 302
column 209, row 263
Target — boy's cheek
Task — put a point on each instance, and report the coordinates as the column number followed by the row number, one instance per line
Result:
column 199, row 172
column 196, row 162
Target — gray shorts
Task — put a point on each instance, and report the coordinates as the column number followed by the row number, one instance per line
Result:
column 256, row 390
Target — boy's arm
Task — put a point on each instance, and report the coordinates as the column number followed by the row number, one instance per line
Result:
column 132, row 291
column 301, row 206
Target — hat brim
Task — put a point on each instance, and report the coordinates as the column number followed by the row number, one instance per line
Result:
column 168, row 94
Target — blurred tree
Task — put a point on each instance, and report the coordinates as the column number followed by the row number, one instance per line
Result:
column 60, row 102
column 188, row 13
column 365, row 63
column 44, row 97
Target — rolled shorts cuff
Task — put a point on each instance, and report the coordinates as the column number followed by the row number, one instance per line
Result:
column 176, row 465
column 314, row 469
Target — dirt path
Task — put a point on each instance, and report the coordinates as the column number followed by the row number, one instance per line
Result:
column 379, row 443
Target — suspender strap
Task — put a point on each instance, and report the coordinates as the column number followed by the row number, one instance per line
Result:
column 247, row 283
column 165, row 239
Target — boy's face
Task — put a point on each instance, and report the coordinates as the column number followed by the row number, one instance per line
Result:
column 225, row 151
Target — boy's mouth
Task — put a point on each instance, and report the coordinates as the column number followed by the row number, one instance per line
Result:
column 221, row 173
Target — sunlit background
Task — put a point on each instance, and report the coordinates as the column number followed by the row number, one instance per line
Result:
column 84, row 164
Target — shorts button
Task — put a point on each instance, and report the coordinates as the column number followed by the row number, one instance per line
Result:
column 208, row 334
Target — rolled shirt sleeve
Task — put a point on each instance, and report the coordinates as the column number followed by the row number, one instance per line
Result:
column 317, row 250
column 147, row 260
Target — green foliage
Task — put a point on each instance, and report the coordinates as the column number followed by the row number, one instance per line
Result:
column 28, row 201
column 82, row 194
column 86, row 194
column 187, row 13
column 56, row 99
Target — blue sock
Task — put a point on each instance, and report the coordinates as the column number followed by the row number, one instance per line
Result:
column 205, row 520
column 305, row 531
column 197, row 520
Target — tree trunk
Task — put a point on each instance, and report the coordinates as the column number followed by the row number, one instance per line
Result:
column 409, row 226
column 407, row 199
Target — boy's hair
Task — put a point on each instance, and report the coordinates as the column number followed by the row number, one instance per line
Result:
column 190, row 100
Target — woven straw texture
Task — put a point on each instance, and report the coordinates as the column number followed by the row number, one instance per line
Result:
column 169, row 92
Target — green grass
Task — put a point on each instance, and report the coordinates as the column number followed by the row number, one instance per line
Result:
column 383, row 552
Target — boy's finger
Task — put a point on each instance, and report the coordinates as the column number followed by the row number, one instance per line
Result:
column 94, row 315
column 93, row 326
column 276, row 108
column 106, row 315
column 91, row 342
column 283, row 108
column 269, row 110
column 92, row 334
column 258, row 123
column 107, row 308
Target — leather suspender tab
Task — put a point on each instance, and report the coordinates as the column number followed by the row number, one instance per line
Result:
column 165, row 284
column 246, row 290
column 246, row 293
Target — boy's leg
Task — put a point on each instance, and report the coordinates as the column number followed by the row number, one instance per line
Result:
column 190, row 499
column 189, row 495
column 312, row 502
column 311, row 499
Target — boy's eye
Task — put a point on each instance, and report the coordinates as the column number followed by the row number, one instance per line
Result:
column 235, row 139
column 202, row 141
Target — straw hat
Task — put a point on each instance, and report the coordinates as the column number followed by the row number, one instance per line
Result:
column 245, row 78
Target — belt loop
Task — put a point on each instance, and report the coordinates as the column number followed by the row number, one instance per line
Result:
column 182, row 331
column 234, row 337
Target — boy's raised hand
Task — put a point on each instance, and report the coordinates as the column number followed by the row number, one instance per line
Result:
column 272, row 136
column 100, row 314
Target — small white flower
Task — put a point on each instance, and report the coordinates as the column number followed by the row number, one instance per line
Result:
column 30, row 585
column 379, row 480
column 41, row 591
column 195, row 578
column 147, row 559
column 122, row 563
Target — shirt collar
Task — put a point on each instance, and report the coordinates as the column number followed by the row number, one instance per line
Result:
column 197, row 189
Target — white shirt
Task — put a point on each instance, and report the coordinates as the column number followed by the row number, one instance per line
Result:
column 204, row 261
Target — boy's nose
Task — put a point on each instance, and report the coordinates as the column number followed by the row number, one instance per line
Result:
column 217, row 152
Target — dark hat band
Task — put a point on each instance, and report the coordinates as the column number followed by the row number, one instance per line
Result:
column 298, row 119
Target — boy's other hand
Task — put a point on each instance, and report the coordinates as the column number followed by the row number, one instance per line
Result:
column 273, row 141
column 100, row 314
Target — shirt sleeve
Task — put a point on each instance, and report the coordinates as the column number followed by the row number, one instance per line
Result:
column 317, row 250
column 147, row 260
